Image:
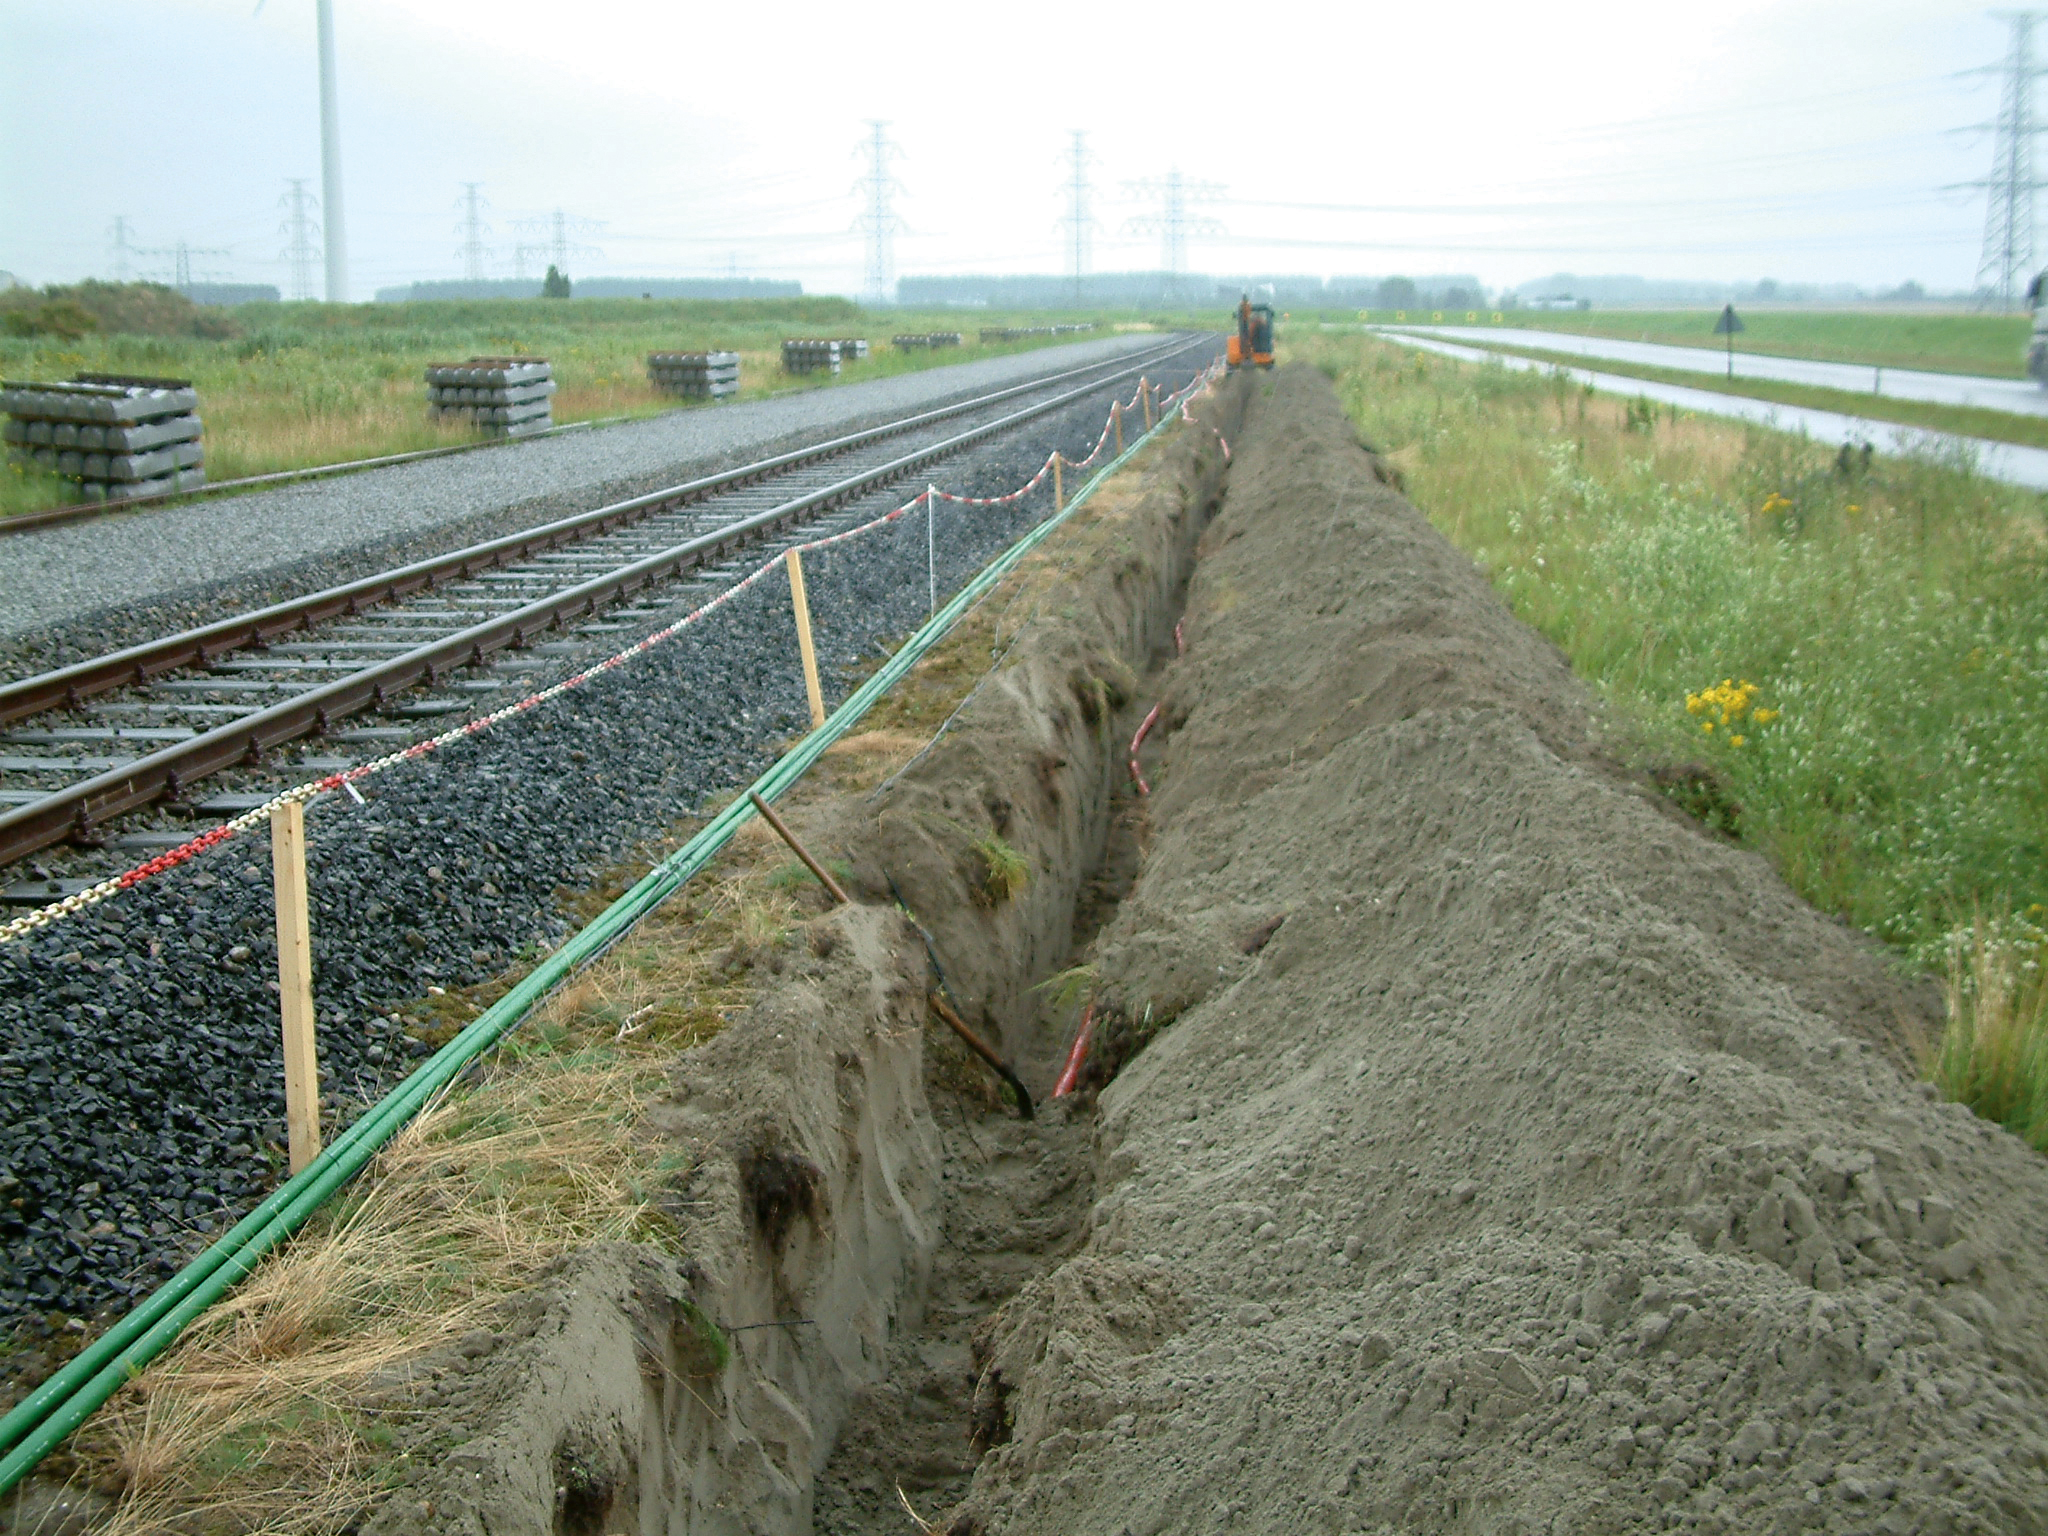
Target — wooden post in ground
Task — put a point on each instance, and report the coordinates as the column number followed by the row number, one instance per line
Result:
column 1116, row 412
column 295, row 982
column 1059, row 492
column 1145, row 394
column 795, row 562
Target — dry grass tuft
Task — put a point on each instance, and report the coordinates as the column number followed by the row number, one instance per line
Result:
column 286, row 1408
column 1004, row 871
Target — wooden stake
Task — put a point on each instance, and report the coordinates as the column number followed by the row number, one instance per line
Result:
column 295, row 982
column 782, row 830
column 1145, row 394
column 1117, row 411
column 795, row 562
column 1059, row 492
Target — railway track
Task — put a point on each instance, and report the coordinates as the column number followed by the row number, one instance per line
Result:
column 89, row 743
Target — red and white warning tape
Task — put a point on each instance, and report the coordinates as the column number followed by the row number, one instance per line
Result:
column 93, row 895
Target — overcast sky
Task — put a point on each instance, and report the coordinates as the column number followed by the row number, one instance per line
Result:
column 1737, row 140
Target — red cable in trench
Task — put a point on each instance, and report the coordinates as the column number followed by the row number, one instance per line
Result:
column 1070, row 1074
column 1138, row 741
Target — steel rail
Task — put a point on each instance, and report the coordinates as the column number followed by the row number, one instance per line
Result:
column 73, row 812
column 134, row 665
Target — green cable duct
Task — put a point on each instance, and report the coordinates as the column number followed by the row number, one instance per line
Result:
column 42, row 1420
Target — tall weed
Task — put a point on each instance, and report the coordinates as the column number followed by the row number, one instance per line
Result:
column 1884, row 623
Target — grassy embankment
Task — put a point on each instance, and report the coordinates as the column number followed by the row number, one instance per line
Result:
column 1994, row 345
column 1860, row 661
column 306, row 384
column 1966, row 421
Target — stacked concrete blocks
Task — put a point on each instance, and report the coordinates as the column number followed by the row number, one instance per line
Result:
column 115, row 434
column 933, row 339
column 695, row 375
column 852, row 349
column 810, row 357
column 501, row 396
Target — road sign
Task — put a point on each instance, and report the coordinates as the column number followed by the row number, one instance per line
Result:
column 1729, row 323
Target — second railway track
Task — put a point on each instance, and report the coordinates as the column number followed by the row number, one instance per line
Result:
column 86, row 744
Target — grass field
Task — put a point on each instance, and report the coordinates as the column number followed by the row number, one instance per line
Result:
column 1860, row 661
column 307, row 384
column 1968, row 421
column 1994, row 345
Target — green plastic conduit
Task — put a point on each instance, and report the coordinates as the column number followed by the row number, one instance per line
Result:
column 41, row 1421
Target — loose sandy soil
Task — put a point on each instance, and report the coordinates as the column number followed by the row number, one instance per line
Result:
column 1510, row 1155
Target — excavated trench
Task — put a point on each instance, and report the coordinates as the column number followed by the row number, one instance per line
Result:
column 854, row 1197
column 1481, row 1145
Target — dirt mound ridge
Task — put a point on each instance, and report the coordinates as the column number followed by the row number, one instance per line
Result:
column 1511, row 1156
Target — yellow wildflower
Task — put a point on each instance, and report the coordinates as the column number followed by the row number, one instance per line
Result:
column 1737, row 740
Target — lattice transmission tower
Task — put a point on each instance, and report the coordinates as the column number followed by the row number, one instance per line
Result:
column 1174, row 225
column 181, row 274
column 878, row 221
column 2007, row 260
column 475, row 254
column 559, row 244
column 121, row 241
column 302, row 230
column 1077, row 221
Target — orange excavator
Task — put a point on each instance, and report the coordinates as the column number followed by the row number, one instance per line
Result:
column 1253, row 342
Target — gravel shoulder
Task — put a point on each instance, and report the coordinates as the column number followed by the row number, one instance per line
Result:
column 1508, row 1154
column 112, row 577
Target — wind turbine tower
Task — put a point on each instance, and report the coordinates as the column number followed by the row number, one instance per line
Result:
column 330, row 161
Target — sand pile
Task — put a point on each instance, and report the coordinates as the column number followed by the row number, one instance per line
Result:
column 1508, row 1154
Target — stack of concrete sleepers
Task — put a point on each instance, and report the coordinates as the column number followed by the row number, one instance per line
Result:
column 502, row 396
column 115, row 434
column 695, row 375
column 852, row 349
column 934, row 339
column 810, row 357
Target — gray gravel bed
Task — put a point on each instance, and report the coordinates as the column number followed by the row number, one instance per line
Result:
column 141, row 1106
column 81, row 588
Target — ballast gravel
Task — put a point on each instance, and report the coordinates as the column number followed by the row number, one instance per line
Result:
column 85, row 579
column 141, row 1101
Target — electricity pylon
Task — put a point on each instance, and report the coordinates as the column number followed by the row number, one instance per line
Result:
column 1079, row 225
column 1174, row 225
column 300, row 227
column 878, row 221
column 2007, row 259
column 474, row 252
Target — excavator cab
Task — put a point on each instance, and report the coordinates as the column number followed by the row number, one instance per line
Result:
column 1253, row 342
